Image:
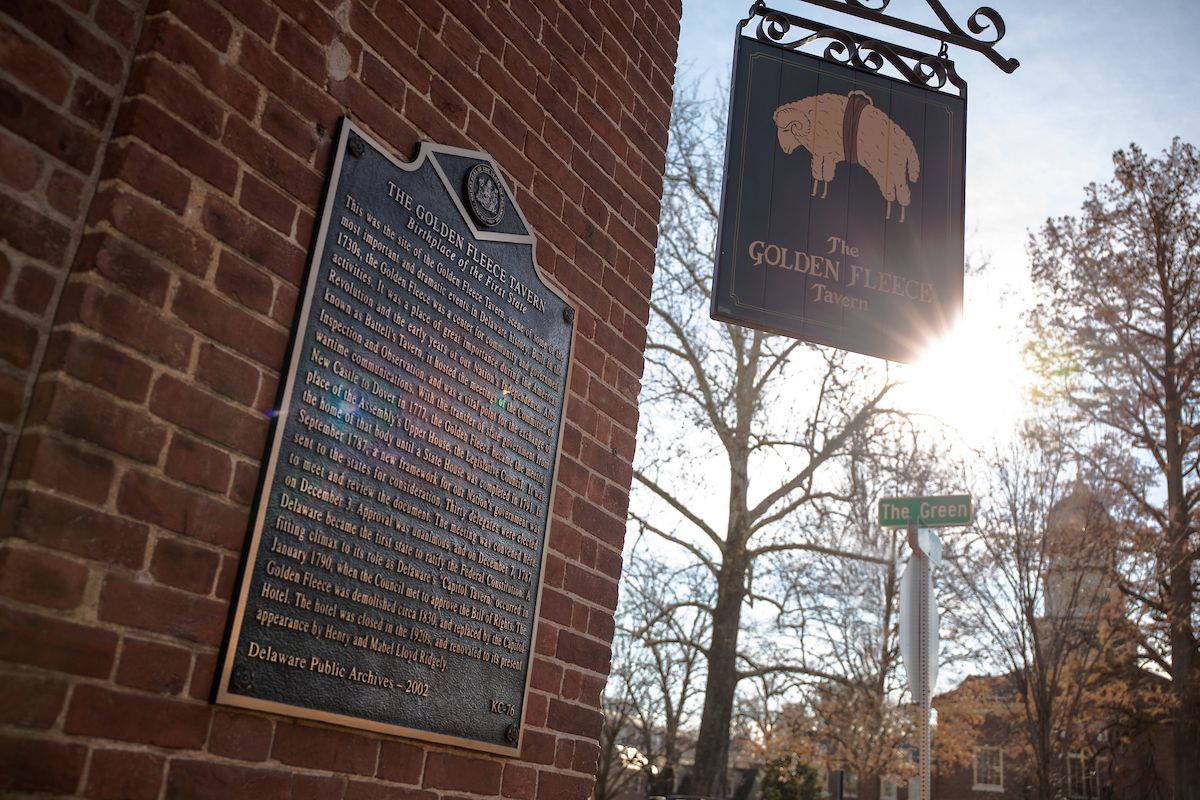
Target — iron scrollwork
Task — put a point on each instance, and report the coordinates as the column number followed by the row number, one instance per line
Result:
column 984, row 29
column 845, row 47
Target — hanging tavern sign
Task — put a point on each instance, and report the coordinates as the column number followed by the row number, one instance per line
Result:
column 392, row 577
column 842, row 214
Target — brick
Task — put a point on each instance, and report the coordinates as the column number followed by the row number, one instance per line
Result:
column 252, row 239
column 553, row 785
column 362, row 790
column 241, row 736
column 297, row 135
column 204, row 674
column 462, row 773
column 12, row 396
column 230, row 325
column 399, row 762
column 35, row 576
column 321, row 748
column 283, row 81
column 117, row 21
column 91, row 103
column 317, row 787
column 226, row 578
column 571, row 718
column 598, row 522
column 20, row 164
column 287, row 301
column 240, row 280
column 587, row 756
column 18, row 340
column 520, row 781
column 192, row 151
column 192, row 461
column 64, row 33
column 31, row 765
column 406, row 21
column 587, row 653
column 267, row 204
column 167, row 86
column 153, row 666
column 177, row 508
column 31, row 232
column 181, row 46
column 30, row 62
column 34, row 289
column 564, row 753
column 245, row 482
column 31, row 119
column 95, row 418
column 99, row 364
column 218, row 523
column 29, row 701
column 60, row 465
column 228, row 375
column 296, row 47
column 62, row 525
column 56, row 644
column 128, row 321
column 537, row 747
column 162, row 610
column 144, row 170
column 200, row 780
column 160, row 231
column 204, row 20
column 184, row 566
column 556, row 606
column 124, row 775
column 546, row 675
column 96, row 711
column 125, row 264
column 380, row 116
column 208, row 416
column 312, row 17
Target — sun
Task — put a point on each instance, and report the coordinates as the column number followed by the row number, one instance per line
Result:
column 973, row 381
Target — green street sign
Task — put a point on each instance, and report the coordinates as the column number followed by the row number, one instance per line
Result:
column 928, row 512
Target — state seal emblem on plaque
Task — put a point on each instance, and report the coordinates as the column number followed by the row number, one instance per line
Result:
column 484, row 195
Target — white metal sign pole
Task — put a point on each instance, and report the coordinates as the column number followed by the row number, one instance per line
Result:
column 924, row 733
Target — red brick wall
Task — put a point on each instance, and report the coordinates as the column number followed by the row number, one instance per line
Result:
column 172, row 197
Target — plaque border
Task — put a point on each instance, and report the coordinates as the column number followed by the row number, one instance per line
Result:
column 221, row 695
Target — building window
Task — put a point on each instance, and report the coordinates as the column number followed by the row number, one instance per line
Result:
column 850, row 786
column 887, row 789
column 989, row 769
column 1082, row 776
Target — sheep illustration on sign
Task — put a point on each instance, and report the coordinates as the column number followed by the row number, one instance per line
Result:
column 836, row 128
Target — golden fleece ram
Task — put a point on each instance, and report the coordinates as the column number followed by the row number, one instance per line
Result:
column 836, row 128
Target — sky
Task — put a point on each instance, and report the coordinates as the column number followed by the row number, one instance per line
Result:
column 1095, row 75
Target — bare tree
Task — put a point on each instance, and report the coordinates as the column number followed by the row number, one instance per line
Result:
column 1119, row 337
column 651, row 697
column 773, row 421
column 1035, row 575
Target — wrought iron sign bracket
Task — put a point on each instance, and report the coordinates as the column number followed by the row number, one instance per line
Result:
column 871, row 54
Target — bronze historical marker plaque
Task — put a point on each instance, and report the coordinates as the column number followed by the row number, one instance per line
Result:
column 392, row 577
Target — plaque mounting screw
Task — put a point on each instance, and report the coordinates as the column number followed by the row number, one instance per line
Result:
column 356, row 148
column 568, row 315
column 511, row 734
column 242, row 679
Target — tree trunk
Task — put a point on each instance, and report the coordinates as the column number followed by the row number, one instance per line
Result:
column 712, row 746
column 1186, row 723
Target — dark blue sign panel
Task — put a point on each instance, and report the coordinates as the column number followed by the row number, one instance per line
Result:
column 842, row 215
